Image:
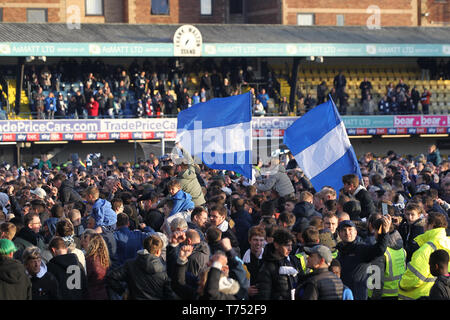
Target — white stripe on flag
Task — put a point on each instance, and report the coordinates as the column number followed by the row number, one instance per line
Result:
column 227, row 139
column 326, row 151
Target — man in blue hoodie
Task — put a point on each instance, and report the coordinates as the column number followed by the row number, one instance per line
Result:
column 105, row 220
column 182, row 201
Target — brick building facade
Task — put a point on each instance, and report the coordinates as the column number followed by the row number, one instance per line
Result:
column 287, row 12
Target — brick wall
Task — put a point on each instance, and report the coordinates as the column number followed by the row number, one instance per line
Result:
column 189, row 11
column 392, row 13
column 264, row 12
column 439, row 13
column 114, row 11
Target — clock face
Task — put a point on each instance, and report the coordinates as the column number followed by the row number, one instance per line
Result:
column 187, row 41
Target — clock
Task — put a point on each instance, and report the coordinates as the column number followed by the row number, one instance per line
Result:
column 187, row 42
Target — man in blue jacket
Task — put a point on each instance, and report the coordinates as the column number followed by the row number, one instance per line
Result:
column 182, row 201
column 129, row 242
column 50, row 105
column 105, row 220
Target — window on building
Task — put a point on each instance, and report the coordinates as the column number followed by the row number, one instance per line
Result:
column 1, row 14
column 206, row 7
column 37, row 15
column 94, row 7
column 340, row 20
column 160, row 7
column 236, row 7
column 305, row 19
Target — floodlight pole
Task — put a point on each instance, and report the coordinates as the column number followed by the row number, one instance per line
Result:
column 19, row 83
column 293, row 82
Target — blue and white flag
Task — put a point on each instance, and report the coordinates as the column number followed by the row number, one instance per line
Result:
column 219, row 133
column 319, row 142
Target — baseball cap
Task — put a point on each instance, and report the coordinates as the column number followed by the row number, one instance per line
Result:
column 322, row 251
column 39, row 192
column 6, row 247
column 346, row 223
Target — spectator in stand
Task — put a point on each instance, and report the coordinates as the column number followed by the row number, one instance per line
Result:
column 80, row 106
column 284, row 107
column 384, row 105
column 123, row 95
column 39, row 103
column 92, row 108
column 395, row 107
column 140, row 85
column 264, row 98
column 125, row 78
column 322, row 90
column 339, row 84
column 61, row 107
column 402, row 86
column 368, row 105
column 46, row 77
column 195, row 98
column 310, row 102
column 226, row 88
column 206, row 84
column 50, row 106
column 88, row 92
column 258, row 108
column 390, row 90
column 401, row 99
column 415, row 97
column 366, row 89
column 425, row 101
column 101, row 98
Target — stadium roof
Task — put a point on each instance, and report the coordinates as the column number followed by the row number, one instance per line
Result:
column 22, row 39
column 215, row 33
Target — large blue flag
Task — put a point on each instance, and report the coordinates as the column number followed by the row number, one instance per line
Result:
column 319, row 142
column 219, row 133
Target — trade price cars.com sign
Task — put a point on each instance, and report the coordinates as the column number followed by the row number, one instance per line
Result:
column 166, row 128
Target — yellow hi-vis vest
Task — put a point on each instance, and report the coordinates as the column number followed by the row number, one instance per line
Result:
column 417, row 280
column 395, row 267
column 302, row 257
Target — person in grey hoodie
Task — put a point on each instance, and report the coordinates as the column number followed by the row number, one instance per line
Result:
column 187, row 176
column 277, row 180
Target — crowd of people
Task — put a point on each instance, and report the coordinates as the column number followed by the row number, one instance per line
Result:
column 397, row 99
column 98, row 90
column 168, row 228
column 94, row 89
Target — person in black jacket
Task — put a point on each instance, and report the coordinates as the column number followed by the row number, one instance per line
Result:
column 68, row 271
column 321, row 284
column 354, row 254
column 14, row 283
column 217, row 217
column 353, row 187
column 411, row 226
column 44, row 284
column 67, row 192
column 439, row 268
column 146, row 276
column 304, row 210
column 278, row 276
column 242, row 223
